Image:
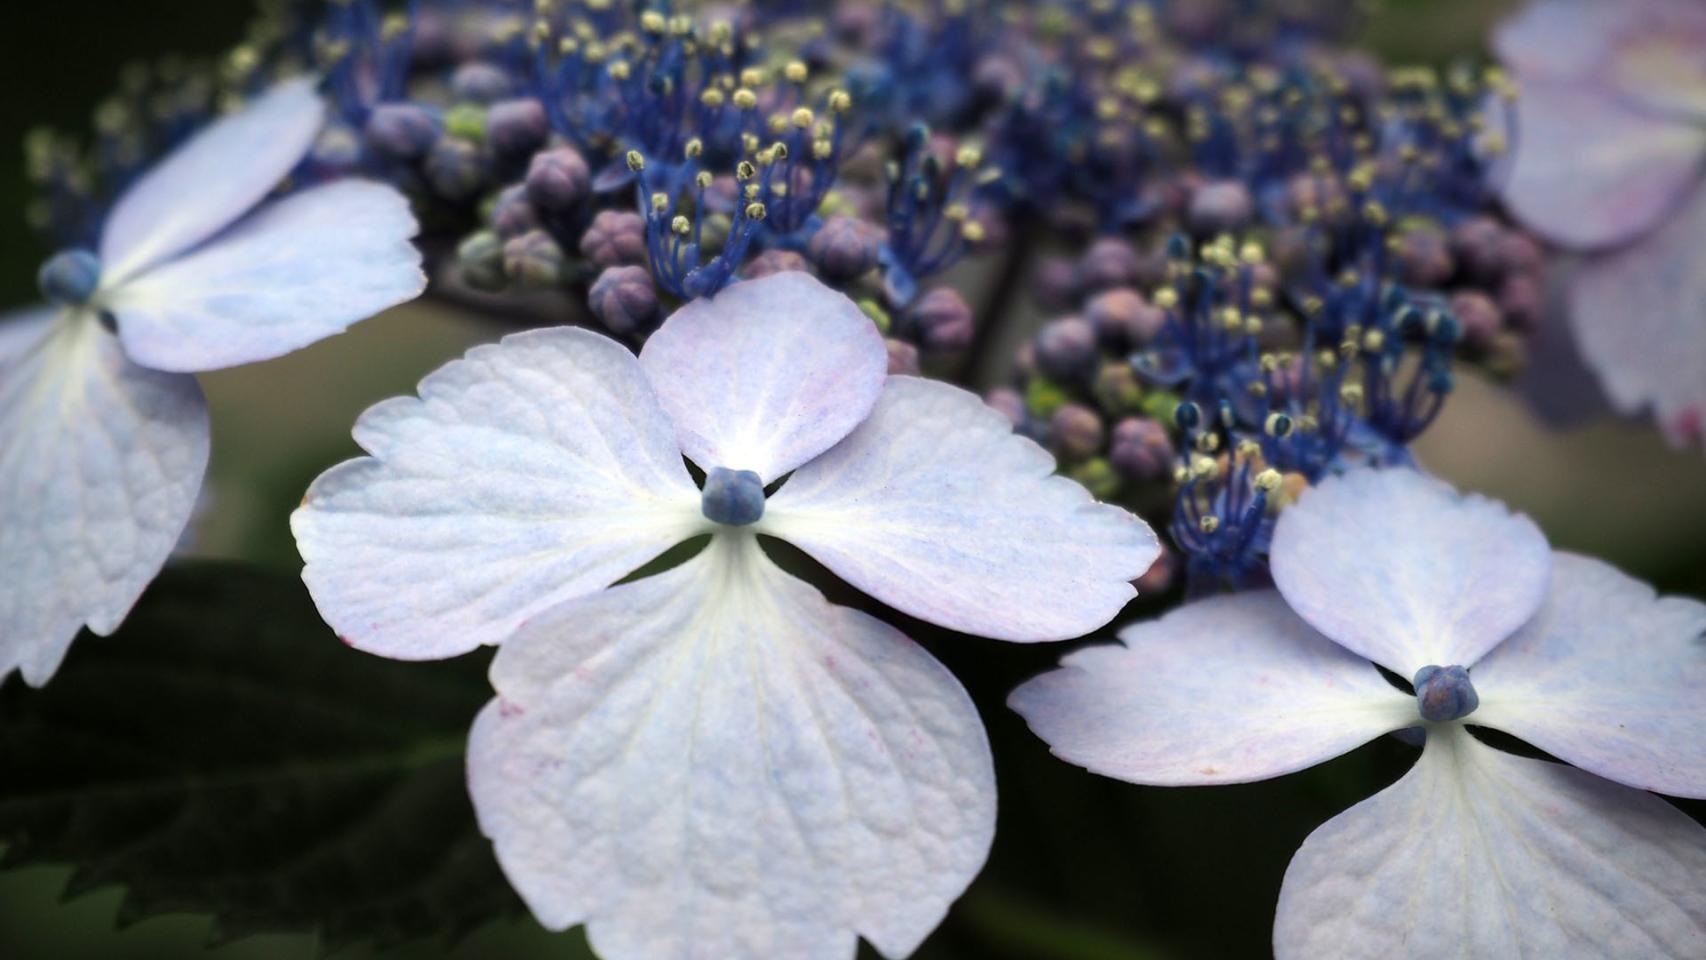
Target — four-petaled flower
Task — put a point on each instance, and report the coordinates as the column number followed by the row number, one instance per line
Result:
column 1611, row 114
column 103, row 432
column 714, row 761
column 1475, row 852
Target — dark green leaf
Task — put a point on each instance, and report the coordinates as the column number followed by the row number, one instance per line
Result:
column 224, row 753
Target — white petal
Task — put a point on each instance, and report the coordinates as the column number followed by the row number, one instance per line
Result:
column 1637, row 317
column 1607, row 676
column 767, row 374
column 296, row 271
column 206, row 184
column 935, row 507
column 529, row 472
column 1226, row 690
column 100, row 461
column 1480, row 854
column 1404, row 570
column 1560, row 39
column 1590, row 170
column 715, row 762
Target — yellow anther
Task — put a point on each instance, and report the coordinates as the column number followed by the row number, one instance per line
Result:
column 755, row 211
column 795, row 72
column 618, row 70
column 1208, row 523
column 1268, row 480
column 712, row 97
column 660, row 202
column 745, row 99
column 681, row 225
column 636, row 161
column 702, row 178
column 972, row 232
column 752, row 77
column 840, row 101
column 968, row 157
column 802, row 117
column 693, row 148
column 1166, row 298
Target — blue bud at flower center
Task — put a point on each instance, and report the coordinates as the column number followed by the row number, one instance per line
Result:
column 732, row 497
column 1445, row 693
column 70, row 277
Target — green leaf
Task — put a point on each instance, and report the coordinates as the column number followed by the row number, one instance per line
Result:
column 223, row 753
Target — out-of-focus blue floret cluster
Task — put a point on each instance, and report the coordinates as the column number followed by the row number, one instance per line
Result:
column 1261, row 252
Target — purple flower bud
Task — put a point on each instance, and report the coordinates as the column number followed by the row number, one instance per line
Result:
column 1055, row 286
column 1141, row 449
column 903, row 358
column 1123, row 320
column 480, row 258
column 1066, row 349
column 845, row 248
column 1117, row 388
column 1160, row 574
column 558, row 180
column 515, row 128
column 1008, row 402
column 1220, row 206
column 943, row 321
column 1520, row 253
column 616, row 237
column 513, row 213
column 1476, row 242
column 774, row 261
column 1077, row 432
column 732, row 497
column 1522, row 298
column 624, row 299
column 534, row 260
column 1313, row 193
column 480, row 82
column 69, row 278
column 1445, row 693
column 1477, row 316
column 401, row 131
column 1110, row 262
column 454, row 168
column 1424, row 256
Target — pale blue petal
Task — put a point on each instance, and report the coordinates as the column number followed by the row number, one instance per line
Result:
column 1607, row 676
column 1636, row 314
column 936, row 508
column 208, row 183
column 767, row 374
column 715, row 762
column 1225, row 690
column 1481, row 855
column 529, row 472
column 100, row 462
column 1405, row 571
column 296, row 271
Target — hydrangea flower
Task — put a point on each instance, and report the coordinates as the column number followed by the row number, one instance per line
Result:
column 1475, row 852
column 103, row 432
column 714, row 760
column 1612, row 114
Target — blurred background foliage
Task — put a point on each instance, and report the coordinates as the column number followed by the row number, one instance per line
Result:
column 224, row 752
